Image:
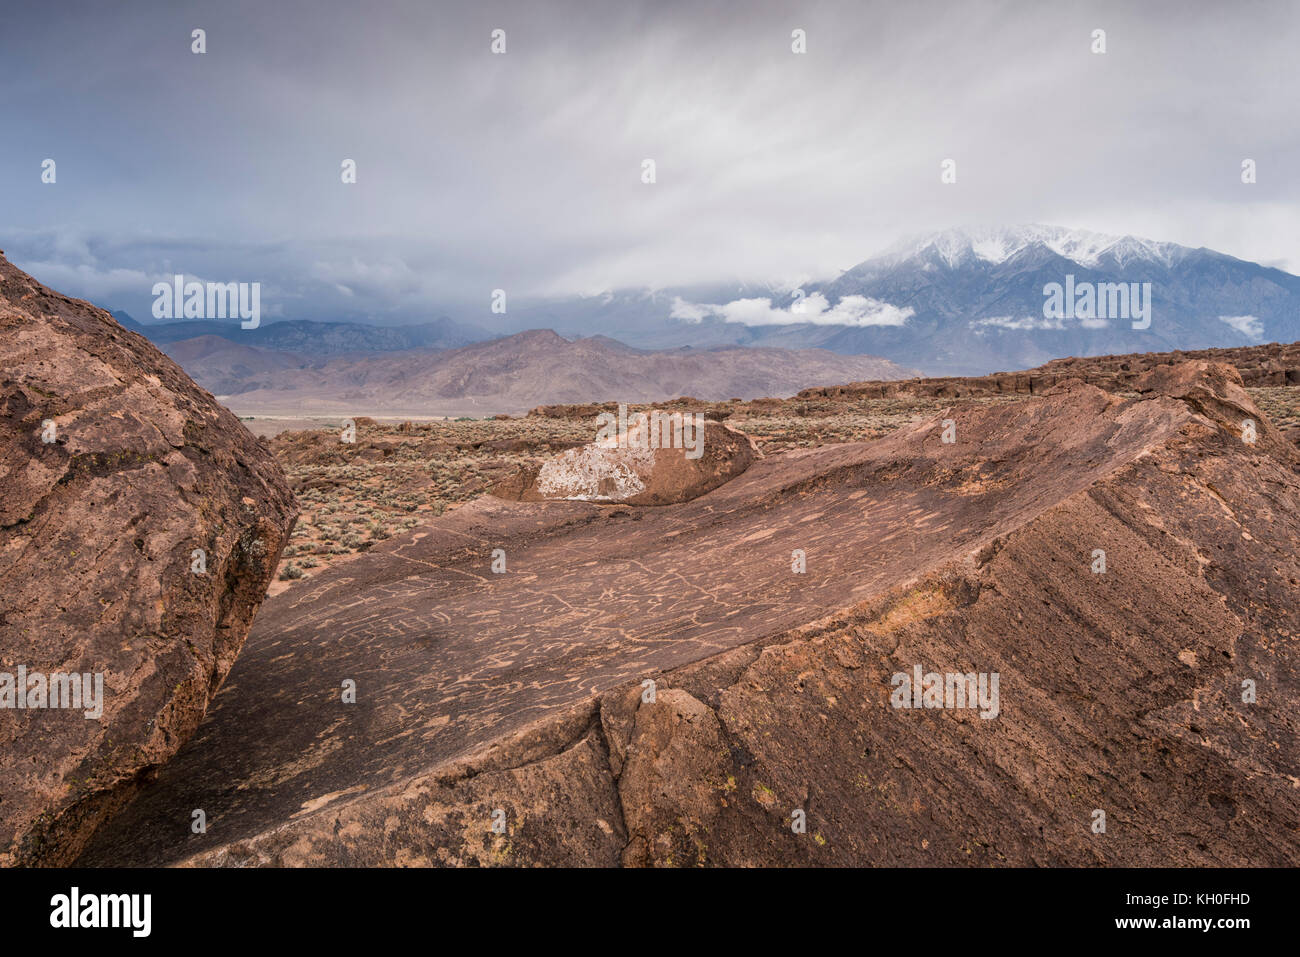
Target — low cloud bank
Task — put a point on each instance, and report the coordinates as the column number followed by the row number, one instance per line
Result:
column 814, row 309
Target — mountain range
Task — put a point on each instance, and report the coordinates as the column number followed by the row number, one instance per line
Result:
column 966, row 301
column 510, row 374
column 308, row 337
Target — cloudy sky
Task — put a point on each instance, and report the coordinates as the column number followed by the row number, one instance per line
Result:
column 523, row 171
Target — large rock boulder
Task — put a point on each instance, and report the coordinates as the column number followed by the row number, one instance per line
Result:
column 140, row 524
column 1215, row 390
column 652, row 462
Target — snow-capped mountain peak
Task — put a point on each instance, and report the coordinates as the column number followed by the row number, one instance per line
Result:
column 997, row 244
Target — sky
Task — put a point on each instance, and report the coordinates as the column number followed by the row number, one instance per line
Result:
column 523, row 171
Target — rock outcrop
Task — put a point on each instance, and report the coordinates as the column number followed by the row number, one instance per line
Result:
column 717, row 682
column 140, row 524
column 1273, row 364
column 642, row 465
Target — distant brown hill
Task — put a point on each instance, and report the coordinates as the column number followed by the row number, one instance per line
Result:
column 512, row 374
column 223, row 367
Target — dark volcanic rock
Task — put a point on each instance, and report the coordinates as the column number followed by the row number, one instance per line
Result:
column 1121, row 690
column 1215, row 390
column 1273, row 364
column 116, row 469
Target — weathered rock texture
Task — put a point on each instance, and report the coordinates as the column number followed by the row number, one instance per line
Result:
column 1274, row 364
column 636, row 468
column 527, row 692
column 97, row 533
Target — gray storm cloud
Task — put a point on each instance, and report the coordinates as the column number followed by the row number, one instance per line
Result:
column 522, row 171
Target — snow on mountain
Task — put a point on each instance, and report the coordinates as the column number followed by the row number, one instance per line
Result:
column 976, row 298
column 973, row 300
column 997, row 244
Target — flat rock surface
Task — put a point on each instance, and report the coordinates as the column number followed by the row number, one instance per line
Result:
column 448, row 657
column 114, row 469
